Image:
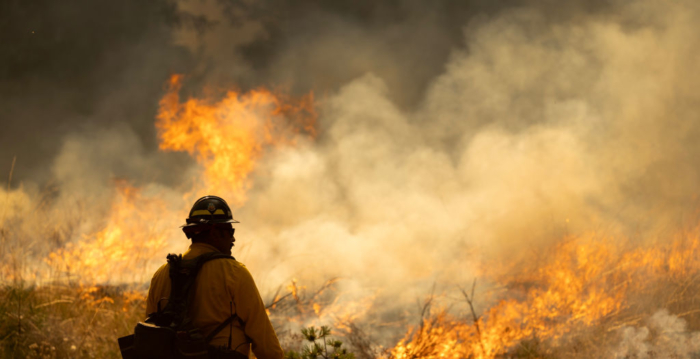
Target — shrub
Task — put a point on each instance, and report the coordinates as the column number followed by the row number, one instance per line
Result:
column 331, row 348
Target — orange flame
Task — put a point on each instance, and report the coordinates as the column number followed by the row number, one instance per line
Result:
column 127, row 241
column 585, row 282
column 228, row 137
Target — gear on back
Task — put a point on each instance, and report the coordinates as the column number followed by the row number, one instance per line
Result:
column 169, row 333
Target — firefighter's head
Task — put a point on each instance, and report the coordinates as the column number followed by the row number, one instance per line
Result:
column 211, row 221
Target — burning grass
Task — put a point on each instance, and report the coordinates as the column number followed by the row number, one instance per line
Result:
column 587, row 296
column 580, row 303
column 593, row 297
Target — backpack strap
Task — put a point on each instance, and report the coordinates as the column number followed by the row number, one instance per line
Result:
column 183, row 273
column 223, row 325
column 194, row 265
column 234, row 316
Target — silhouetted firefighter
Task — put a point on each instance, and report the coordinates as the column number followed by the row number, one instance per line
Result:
column 204, row 304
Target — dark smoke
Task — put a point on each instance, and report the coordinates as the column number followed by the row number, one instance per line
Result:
column 83, row 65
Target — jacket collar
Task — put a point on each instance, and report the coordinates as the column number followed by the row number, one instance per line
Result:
column 197, row 249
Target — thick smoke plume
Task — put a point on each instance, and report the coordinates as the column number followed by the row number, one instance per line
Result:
column 535, row 130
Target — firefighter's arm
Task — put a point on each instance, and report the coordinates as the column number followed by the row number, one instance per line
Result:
column 151, row 301
column 251, row 309
column 157, row 290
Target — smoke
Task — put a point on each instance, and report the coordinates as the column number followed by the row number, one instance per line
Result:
column 536, row 130
column 67, row 68
column 665, row 336
column 450, row 137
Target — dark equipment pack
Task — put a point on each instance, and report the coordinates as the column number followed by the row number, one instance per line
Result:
column 169, row 333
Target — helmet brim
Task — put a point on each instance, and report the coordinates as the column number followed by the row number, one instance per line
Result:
column 209, row 221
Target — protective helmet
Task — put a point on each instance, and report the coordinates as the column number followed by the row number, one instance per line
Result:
column 207, row 211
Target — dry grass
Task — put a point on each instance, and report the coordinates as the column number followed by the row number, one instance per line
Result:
column 77, row 321
column 64, row 321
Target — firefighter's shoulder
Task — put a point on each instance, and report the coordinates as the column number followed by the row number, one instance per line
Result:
column 230, row 266
column 233, row 270
column 162, row 272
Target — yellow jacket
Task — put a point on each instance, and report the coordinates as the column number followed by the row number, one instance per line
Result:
column 219, row 282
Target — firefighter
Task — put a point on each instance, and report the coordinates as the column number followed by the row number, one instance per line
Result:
column 222, row 288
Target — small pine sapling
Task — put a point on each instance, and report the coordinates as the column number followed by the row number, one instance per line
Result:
column 331, row 348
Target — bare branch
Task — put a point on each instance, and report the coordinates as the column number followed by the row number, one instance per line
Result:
column 470, row 301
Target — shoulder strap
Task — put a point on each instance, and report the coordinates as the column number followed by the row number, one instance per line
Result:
column 223, row 325
column 206, row 257
column 203, row 259
column 183, row 273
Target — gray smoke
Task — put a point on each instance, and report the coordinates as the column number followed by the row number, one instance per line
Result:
column 664, row 336
column 535, row 130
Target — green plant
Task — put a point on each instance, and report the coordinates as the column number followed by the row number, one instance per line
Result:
column 331, row 348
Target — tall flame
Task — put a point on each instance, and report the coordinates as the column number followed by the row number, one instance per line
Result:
column 228, row 136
